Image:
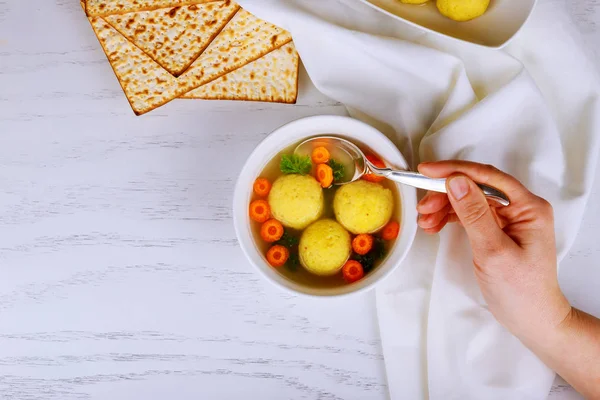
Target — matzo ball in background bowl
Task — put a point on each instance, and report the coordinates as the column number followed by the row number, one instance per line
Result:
column 307, row 235
column 489, row 23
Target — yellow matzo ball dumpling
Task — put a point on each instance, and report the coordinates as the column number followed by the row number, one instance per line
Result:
column 462, row 10
column 296, row 200
column 363, row 207
column 324, row 247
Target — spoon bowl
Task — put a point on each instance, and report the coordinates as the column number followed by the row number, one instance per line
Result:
column 343, row 151
column 356, row 165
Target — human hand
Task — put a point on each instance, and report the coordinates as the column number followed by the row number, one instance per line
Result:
column 514, row 248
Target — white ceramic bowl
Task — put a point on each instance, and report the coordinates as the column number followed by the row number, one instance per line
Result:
column 501, row 22
column 296, row 132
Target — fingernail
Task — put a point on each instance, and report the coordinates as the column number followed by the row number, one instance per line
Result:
column 459, row 187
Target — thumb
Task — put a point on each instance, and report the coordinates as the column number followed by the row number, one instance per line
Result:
column 474, row 213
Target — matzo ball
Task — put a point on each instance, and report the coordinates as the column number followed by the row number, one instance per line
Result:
column 363, row 207
column 462, row 10
column 324, row 247
column 296, row 200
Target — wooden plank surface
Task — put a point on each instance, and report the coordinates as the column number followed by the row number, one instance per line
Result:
column 120, row 275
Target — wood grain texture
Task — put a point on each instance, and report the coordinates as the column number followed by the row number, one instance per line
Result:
column 120, row 274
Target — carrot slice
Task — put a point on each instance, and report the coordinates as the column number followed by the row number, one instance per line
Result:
column 277, row 256
column 271, row 231
column 260, row 211
column 362, row 244
column 320, row 155
column 352, row 271
column 390, row 231
column 262, row 187
column 324, row 175
column 376, row 161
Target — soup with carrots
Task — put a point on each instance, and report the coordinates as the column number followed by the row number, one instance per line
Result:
column 316, row 231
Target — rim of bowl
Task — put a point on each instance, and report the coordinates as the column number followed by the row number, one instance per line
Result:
column 294, row 132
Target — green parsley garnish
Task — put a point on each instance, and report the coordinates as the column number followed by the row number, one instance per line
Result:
column 295, row 164
column 377, row 253
column 291, row 242
column 338, row 170
column 293, row 262
column 287, row 240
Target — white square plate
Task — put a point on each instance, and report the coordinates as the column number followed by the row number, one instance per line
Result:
column 501, row 22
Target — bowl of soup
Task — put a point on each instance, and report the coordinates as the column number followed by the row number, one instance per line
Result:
column 495, row 28
column 308, row 233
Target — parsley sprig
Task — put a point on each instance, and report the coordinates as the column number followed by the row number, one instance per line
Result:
column 295, row 164
column 338, row 170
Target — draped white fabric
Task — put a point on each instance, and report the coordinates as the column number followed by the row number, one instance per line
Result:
column 531, row 110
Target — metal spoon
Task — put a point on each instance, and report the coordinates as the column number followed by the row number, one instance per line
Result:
column 363, row 166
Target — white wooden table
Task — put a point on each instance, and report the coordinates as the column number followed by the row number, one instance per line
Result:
column 120, row 275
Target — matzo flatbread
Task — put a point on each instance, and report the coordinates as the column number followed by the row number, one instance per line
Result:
column 175, row 37
column 147, row 85
column 271, row 78
column 244, row 39
column 102, row 8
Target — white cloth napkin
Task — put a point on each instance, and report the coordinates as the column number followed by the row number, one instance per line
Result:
column 531, row 110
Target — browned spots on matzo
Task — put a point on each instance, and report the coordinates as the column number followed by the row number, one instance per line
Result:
column 261, row 80
column 171, row 27
column 255, row 45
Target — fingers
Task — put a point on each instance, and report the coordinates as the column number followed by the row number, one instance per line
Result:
column 448, row 219
column 432, row 202
column 480, row 173
column 432, row 220
column 474, row 213
column 435, row 212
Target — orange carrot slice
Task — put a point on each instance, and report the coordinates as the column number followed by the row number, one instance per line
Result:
column 277, row 256
column 262, row 187
column 378, row 163
column 320, row 155
column 271, row 231
column 352, row 271
column 390, row 231
column 362, row 244
column 324, row 175
column 260, row 211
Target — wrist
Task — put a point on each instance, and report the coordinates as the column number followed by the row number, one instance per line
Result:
column 549, row 324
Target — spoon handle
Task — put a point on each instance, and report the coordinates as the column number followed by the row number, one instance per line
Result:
column 436, row 185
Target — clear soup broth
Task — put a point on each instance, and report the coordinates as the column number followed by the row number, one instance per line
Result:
column 293, row 268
